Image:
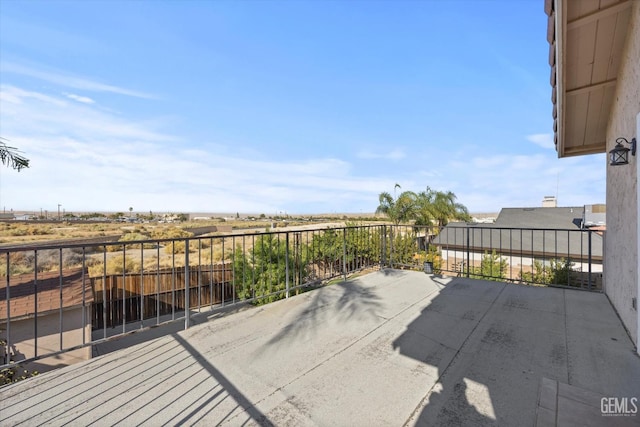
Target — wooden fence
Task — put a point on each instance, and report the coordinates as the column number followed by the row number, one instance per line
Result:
column 157, row 293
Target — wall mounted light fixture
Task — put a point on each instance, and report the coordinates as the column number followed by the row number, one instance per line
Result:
column 620, row 154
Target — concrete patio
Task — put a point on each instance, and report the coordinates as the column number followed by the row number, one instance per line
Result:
column 389, row 348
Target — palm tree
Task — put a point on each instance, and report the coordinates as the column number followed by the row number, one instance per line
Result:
column 399, row 208
column 10, row 156
column 439, row 206
column 425, row 212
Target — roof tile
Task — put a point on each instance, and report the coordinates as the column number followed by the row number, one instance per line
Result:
column 23, row 288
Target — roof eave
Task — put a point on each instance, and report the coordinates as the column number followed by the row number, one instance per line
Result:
column 587, row 135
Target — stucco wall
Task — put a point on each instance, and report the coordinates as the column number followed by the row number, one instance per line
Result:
column 517, row 260
column 621, row 244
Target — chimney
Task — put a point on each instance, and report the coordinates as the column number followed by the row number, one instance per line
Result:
column 549, row 202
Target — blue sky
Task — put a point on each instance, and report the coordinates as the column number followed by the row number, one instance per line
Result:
column 296, row 106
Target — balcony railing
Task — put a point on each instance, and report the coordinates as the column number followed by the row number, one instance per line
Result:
column 56, row 301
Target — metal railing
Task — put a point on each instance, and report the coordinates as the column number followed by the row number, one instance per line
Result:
column 59, row 300
column 553, row 257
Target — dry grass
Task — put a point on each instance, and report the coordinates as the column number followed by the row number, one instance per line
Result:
column 14, row 232
column 36, row 232
column 20, row 232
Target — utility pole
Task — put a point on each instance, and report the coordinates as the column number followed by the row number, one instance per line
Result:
column 59, row 211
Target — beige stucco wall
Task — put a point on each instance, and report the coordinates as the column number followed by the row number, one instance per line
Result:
column 621, row 243
column 22, row 333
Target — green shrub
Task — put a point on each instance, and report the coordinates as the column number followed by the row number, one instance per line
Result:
column 492, row 267
column 433, row 256
column 15, row 373
column 556, row 273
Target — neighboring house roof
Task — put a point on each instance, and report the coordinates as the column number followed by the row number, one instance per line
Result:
column 538, row 242
column 586, row 39
column 22, row 290
column 552, row 232
column 564, row 218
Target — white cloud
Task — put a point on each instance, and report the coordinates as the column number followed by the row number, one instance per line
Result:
column 83, row 99
column 34, row 113
column 488, row 183
column 395, row 154
column 67, row 80
column 544, row 140
column 87, row 158
column 16, row 95
column 90, row 159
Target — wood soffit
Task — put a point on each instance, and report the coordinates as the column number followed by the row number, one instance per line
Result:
column 586, row 41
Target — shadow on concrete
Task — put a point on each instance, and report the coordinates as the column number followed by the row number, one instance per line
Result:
column 441, row 280
column 493, row 344
column 338, row 303
column 424, row 340
column 390, row 272
column 436, row 338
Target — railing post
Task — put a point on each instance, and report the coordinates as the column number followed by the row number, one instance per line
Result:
column 141, row 308
column 468, row 253
column 286, row 260
column 104, row 293
column 392, row 230
column 383, row 253
column 233, row 277
column 124, row 289
column 224, row 275
column 35, row 302
column 300, row 250
column 8, row 339
column 344, row 253
column 569, row 257
column 84, row 306
column 589, row 249
column 60, row 323
column 187, row 283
